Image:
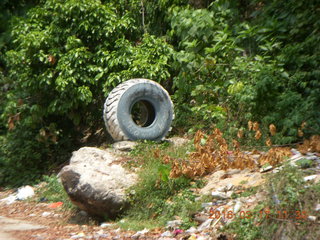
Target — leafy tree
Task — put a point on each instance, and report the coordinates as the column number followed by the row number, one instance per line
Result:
column 66, row 57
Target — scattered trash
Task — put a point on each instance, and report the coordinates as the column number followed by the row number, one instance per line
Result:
column 43, row 199
column 55, row 205
column 9, row 200
column 177, row 231
column 23, row 193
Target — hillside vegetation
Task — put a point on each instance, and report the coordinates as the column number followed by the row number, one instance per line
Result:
column 225, row 63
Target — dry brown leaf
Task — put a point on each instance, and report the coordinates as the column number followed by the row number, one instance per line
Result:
column 255, row 126
column 300, row 133
column 273, row 129
column 240, row 133
column 303, row 125
column 269, row 142
column 250, row 125
column 258, row 135
column 51, row 59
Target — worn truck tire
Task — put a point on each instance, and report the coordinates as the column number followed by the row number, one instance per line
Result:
column 138, row 109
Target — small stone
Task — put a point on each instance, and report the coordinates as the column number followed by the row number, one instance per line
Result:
column 312, row 218
column 233, row 171
column 45, row 214
column 32, row 215
column 140, row 233
column 80, row 235
column 310, row 178
column 173, row 224
column 191, row 230
column 237, row 207
column 105, row 225
column 124, row 145
column 265, row 169
column 83, row 213
column 166, row 234
column 317, row 208
column 219, row 195
column 208, row 204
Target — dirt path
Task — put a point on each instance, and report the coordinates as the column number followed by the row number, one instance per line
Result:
column 9, row 225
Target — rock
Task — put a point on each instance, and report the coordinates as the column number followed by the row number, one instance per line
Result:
column 139, row 234
column 220, row 195
column 266, row 169
column 208, row 204
column 317, row 208
column 310, row 178
column 23, row 193
column 45, row 214
column 105, row 225
column 124, row 145
column 178, row 141
column 233, row 171
column 95, row 184
column 173, row 224
column 237, row 207
column 312, row 218
column 191, row 230
column 166, row 234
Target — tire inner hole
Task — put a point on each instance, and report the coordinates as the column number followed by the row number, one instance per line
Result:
column 143, row 113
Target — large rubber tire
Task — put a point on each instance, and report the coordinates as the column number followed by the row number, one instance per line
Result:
column 153, row 123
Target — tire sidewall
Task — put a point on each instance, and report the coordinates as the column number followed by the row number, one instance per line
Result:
column 161, row 103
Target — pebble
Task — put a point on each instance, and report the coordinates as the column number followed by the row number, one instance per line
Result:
column 312, row 218
column 219, row 195
column 166, row 234
column 191, row 230
column 104, row 225
column 204, row 205
column 45, row 214
column 266, row 169
column 310, row 178
column 237, row 207
column 317, row 208
column 173, row 224
column 139, row 233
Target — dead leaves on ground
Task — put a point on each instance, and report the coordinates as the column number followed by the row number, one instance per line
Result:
column 212, row 154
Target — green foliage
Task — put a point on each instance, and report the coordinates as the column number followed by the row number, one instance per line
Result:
column 53, row 191
column 157, row 197
column 66, row 56
column 289, row 201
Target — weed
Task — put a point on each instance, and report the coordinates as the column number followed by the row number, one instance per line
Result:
column 158, row 198
column 290, row 200
column 53, row 191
